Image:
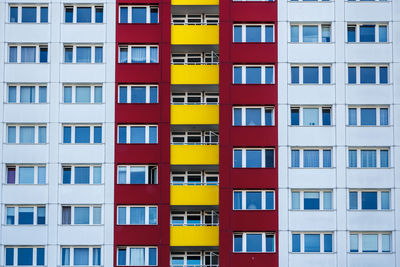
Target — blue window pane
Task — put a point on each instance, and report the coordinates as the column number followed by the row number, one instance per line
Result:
column 352, row 75
column 294, row 34
column 99, row 15
column 253, row 200
column 327, row 158
column 237, row 243
column 13, row 14
column 44, row 17
column 326, row 116
column 138, row 55
column 237, row 200
column 253, row 116
column 121, row 215
column 269, row 117
column 237, row 75
column 153, row 134
column 253, row 34
column 237, row 117
column 369, row 200
column 9, row 256
column 66, row 175
column 253, row 158
column 295, row 158
column 353, row 158
column 26, row 175
column 121, row 256
column 43, row 55
column 382, row 33
column 97, row 175
column 25, row 215
column 152, row 215
column 68, row 55
column 81, row 216
column 367, row 33
column 384, row 158
column 13, row 54
column 269, row 200
column 67, row 135
column 385, row 200
column 367, row 75
column 98, row 55
column 82, row 134
column 138, row 15
column 153, row 54
column 81, row 256
column 295, row 243
column 42, row 94
column 254, row 243
column 82, row 175
column 326, row 75
column 122, row 134
column 384, row 116
column 253, row 75
column 353, row 199
column 138, row 134
column 10, row 216
column 98, row 94
column 69, row 15
column 123, row 94
column 27, row 94
column 138, row 94
column 25, row 256
column 28, row 54
column 385, row 243
column 154, row 15
column 138, row 175
column 137, row 215
column 327, row 200
column 84, row 15
column 97, row 134
column 327, row 243
column 295, row 200
column 237, row 158
column 368, row 116
column 123, row 55
column 383, row 75
column 27, row 134
column 368, row 159
column 42, row 135
column 310, row 75
column 351, row 34
column 41, row 175
column 311, row 200
column 269, row 34
column 65, row 257
column 310, row 34
column 352, row 116
column 269, row 158
column 311, row 243
column 153, row 94
column 295, row 116
column 310, row 116
column 269, row 75
column 28, row 14
column 123, row 15
column 370, row 243
column 96, row 256
column 83, row 54
column 354, row 243
column 237, row 34
column 326, row 33
column 152, row 256
column 11, row 135
column 40, row 256
column 12, row 94
column 311, row 159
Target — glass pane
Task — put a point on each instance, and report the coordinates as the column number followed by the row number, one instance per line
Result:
column 295, row 243
column 253, row 75
column 311, row 159
column 84, row 14
column 237, row 158
column 237, row 116
column 254, row 243
column 137, row 257
column 382, row 33
column 25, row 256
column 269, row 34
column 123, row 15
column 83, row 54
column 354, row 243
column 367, row 33
column 153, row 15
column 153, row 134
column 138, row 55
column 81, row 256
column 42, row 135
column 269, row 117
column 269, row 158
column 66, row 215
column 121, row 215
column 326, row 33
column 353, row 200
column 28, row 54
column 269, row 200
column 310, row 75
column 27, row 134
column 153, row 94
column 351, row 34
column 253, row 200
column 83, row 94
column 152, row 256
column 121, row 175
column 44, row 17
column 25, row 215
column 97, row 215
column 367, row 75
column 81, row 215
column 82, row 175
column 385, row 200
column 153, row 54
column 352, row 116
column 122, row 134
column 327, row 200
column 123, row 95
column 237, row 200
column 352, row 75
column 370, row 243
column 98, row 94
column 123, row 55
column 269, row 75
column 312, row 243
column 27, row 94
column 152, row 215
column 384, row 158
column 368, row 116
column 237, row 34
column 138, row 94
column 121, row 256
column 82, row 134
column 12, row 94
column 99, row 15
column 294, row 34
column 310, row 34
column 383, row 75
column 68, row 55
column 385, row 243
column 41, row 215
column 28, row 14
column 138, row 175
column 326, row 75
column 384, row 116
column 327, row 158
column 43, row 55
column 295, row 158
column 13, row 16
column 138, row 134
column 295, row 75
column 310, row 116
column 66, row 175
column 97, row 135
column 11, row 135
column 13, row 54
column 138, row 14
column 328, row 243
column 368, row 159
column 253, row 116
column 67, row 135
column 42, row 94
column 65, row 256
column 98, row 54
column 69, row 14
column 295, row 200
column 253, row 158
column 311, row 200
column 237, row 75
column 369, row 200
column 253, row 34
column 237, row 243
column 295, row 116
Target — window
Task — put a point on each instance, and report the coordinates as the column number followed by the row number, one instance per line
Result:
column 25, row 215
column 137, row 215
column 310, row 116
column 312, row 200
column 253, row 33
column 26, row 255
column 89, row 53
column 311, row 158
column 368, row 74
column 309, row 74
column 28, row 53
column 194, row 218
column 28, row 14
column 195, row 258
column 370, row 242
column 82, row 134
column 369, row 158
column 26, row 134
column 312, row 242
column 136, row 256
column 138, row 94
column 194, row 178
column 371, row 33
column 195, row 98
column 138, row 14
column 195, row 19
column 253, row 74
column 368, row 116
column 195, row 138
column 205, row 58
column 310, row 33
column 82, row 94
column 137, row 134
column 83, row 14
column 253, row 200
column 138, row 54
column 26, row 174
column 136, row 174
column 27, row 94
column 369, row 200
column 253, row 158
column 81, row 174
column 78, row 256
column 78, row 215
column 254, row 242
column 253, row 116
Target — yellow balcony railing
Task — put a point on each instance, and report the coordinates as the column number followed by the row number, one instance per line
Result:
column 194, row 114
column 195, row 195
column 194, row 236
column 194, row 34
column 194, row 2
column 194, row 155
column 194, row 74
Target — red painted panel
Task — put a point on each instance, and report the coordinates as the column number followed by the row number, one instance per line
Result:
column 137, row 194
column 255, row 178
column 255, row 135
column 254, row 12
column 143, row 154
column 138, row 72
column 253, row 94
column 138, row 33
column 145, row 113
column 254, row 52
column 254, row 259
column 254, row 221
column 146, row 235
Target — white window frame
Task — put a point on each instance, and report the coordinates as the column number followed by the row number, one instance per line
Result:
column 205, row 58
column 17, row 133
column 244, row 199
column 37, row 53
column 128, row 213
column 302, row 242
column 360, row 244
column 263, row 245
column 73, row 166
column 146, row 253
column 129, row 95
column 18, row 93
column 244, row 40
column 16, row 213
column 202, row 19
column 320, row 74
column 357, row 30
column 319, row 25
column 243, row 112
column 92, row 53
column 378, row 157
column 147, row 172
column 203, row 255
column 146, row 135
column 244, row 67
column 129, row 59
column 34, row 255
column 202, row 95
column 378, row 195
column 81, row 125
column 378, row 115
column 202, row 215
column 321, row 157
column 358, row 73
column 148, row 13
column 202, row 135
column 321, row 199
column 75, row 13
column 91, row 214
column 20, row 6
column 320, row 115
column 263, row 149
column 73, row 90
column 17, row 166
column 71, row 255
column 202, row 174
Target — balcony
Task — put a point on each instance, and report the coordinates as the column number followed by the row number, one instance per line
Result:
column 194, row 236
column 194, row 114
column 194, row 74
column 194, row 154
column 194, row 34
column 194, row 195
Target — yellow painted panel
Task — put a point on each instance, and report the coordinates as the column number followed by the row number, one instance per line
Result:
column 194, row 154
column 194, row 74
column 194, row 114
column 194, row 195
column 194, row 34
column 194, row 236
column 195, row 2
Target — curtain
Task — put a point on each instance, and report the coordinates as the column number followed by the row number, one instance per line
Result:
column 370, row 242
column 81, row 215
column 327, row 158
column 237, row 200
column 10, row 215
column 310, row 34
column 153, row 94
column 98, row 55
column 384, row 158
column 121, row 175
column 66, row 215
column 42, row 94
column 137, row 215
column 153, row 54
column 295, row 200
column 41, row 175
column 310, row 116
column 26, row 175
column 81, row 256
column 384, row 114
column 12, row 94
column 368, row 158
column 138, row 55
column 97, row 215
column 96, row 256
column 10, row 175
column 312, row 243
column 295, row 158
column 368, row 116
column 152, row 215
column 385, row 243
column 13, row 55
column 82, row 175
column 83, row 54
column 311, row 159
column 98, row 94
column 354, row 243
column 96, row 175
column 11, row 135
column 42, row 135
column 327, row 200
column 253, row 116
column 123, row 15
column 65, row 256
column 28, row 54
column 27, row 94
column 82, row 94
column 67, row 94
column 137, row 257
column 121, row 215
column 385, row 200
column 352, row 158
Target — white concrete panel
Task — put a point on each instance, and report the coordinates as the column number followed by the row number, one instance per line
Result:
column 368, row 11
column 83, row 32
column 25, row 235
column 370, row 220
column 311, row 136
column 76, row 153
column 369, row 94
column 370, row 178
column 26, row 72
column 311, row 53
column 85, row 73
column 312, row 178
column 32, row 113
column 380, row 136
column 25, row 194
column 312, row 259
column 311, row 94
column 80, row 235
column 368, row 53
column 21, row 153
column 307, row 220
column 81, row 194
column 81, row 113
column 371, row 259
column 27, row 33
column 320, row 12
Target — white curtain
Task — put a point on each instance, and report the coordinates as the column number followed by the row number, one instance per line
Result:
column 65, row 256
column 310, row 116
column 121, row 175
column 138, row 55
column 28, row 54
column 368, row 158
column 311, row 159
column 137, row 215
column 96, row 256
column 81, row 256
column 83, row 94
column 27, row 94
column 153, row 54
column 137, row 257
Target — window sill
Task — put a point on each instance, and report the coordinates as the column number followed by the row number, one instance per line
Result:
column 312, row 43
column 25, row 225
column 308, row 253
column 74, row 225
column 372, row 211
column 36, row 144
column 368, row 43
column 330, row 211
column 29, row 23
column 311, row 84
column 309, row 126
column 95, row 104
column 253, row 126
column 85, row 144
column 5, row 184
column 83, row 63
column 368, row 84
column 26, row 63
column 369, row 126
column 61, row 184
column 261, row 252
column 83, row 23
column 7, row 103
column 312, row 168
column 369, row 168
column 139, row 24
column 363, row 253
